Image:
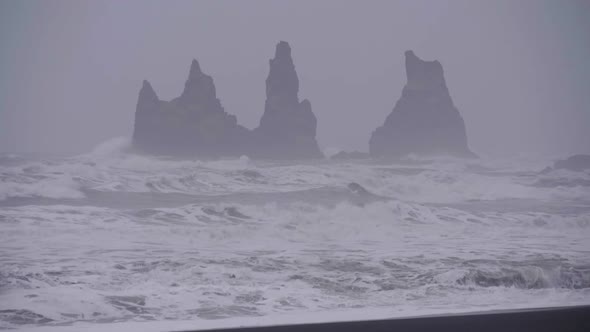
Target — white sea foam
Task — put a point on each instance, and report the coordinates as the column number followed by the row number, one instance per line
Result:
column 116, row 236
column 52, row 187
column 220, row 261
column 110, row 167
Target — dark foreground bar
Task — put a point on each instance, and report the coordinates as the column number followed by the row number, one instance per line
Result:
column 561, row 319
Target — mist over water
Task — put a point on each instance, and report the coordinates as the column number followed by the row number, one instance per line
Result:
column 393, row 158
column 112, row 236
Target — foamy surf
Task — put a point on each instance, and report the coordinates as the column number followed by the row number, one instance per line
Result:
column 113, row 236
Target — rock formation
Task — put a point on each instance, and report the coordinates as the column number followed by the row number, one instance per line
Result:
column 194, row 124
column 424, row 120
column 576, row 163
column 287, row 128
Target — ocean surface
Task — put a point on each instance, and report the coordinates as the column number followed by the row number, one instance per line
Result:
column 111, row 236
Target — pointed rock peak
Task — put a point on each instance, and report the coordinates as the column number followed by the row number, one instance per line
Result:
column 410, row 54
column 283, row 50
column 282, row 79
column 424, row 71
column 412, row 60
column 146, row 85
column 198, row 88
column 147, row 91
column 424, row 121
column 195, row 70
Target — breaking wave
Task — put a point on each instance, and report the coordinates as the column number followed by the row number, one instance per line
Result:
column 133, row 237
column 113, row 167
column 530, row 275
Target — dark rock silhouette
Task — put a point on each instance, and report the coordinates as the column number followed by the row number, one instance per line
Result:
column 194, row 124
column 576, row 163
column 424, row 120
column 287, row 128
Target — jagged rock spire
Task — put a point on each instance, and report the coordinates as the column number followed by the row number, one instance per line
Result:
column 195, row 70
column 424, row 75
column 424, row 121
column 148, row 100
column 198, row 88
column 288, row 127
column 194, row 124
column 146, row 113
column 282, row 81
column 147, row 93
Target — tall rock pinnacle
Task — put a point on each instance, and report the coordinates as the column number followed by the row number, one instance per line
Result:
column 147, row 93
column 282, row 81
column 146, row 116
column 199, row 89
column 424, row 120
column 287, row 128
column 196, row 125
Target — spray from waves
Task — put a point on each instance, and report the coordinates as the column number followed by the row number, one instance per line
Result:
column 113, row 167
column 55, row 188
column 254, row 237
column 114, row 146
column 50, row 178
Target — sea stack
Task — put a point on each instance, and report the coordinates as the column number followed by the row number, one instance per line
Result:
column 575, row 163
column 194, row 124
column 424, row 121
column 287, row 128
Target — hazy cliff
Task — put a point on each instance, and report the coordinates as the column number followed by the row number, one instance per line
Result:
column 288, row 127
column 193, row 124
column 424, row 120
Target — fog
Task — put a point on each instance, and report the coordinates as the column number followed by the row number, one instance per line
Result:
column 171, row 165
column 517, row 70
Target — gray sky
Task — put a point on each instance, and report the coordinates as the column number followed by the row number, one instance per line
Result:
column 519, row 71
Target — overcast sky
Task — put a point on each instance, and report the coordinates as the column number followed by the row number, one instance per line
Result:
column 518, row 71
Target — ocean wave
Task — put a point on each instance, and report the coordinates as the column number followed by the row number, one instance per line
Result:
column 55, row 188
column 133, row 237
column 113, row 167
column 252, row 283
column 534, row 276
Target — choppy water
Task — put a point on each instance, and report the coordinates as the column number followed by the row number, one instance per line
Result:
column 111, row 236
